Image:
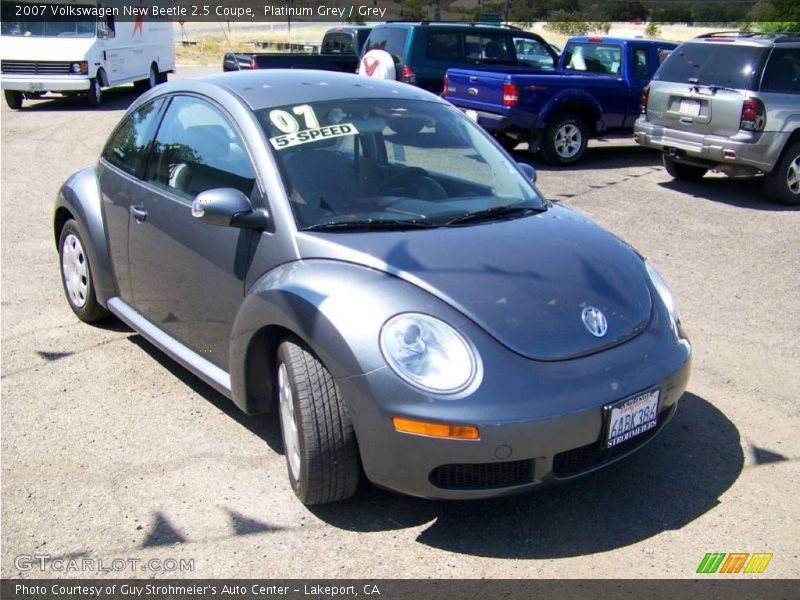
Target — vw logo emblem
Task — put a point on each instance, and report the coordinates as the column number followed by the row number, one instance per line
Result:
column 595, row 321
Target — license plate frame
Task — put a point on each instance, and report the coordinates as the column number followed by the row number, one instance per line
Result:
column 690, row 108
column 644, row 405
column 35, row 87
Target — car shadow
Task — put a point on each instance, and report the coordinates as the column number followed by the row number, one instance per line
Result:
column 267, row 427
column 119, row 98
column 675, row 479
column 597, row 156
column 742, row 192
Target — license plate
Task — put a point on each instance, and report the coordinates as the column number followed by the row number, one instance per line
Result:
column 35, row 87
column 631, row 417
column 689, row 107
column 472, row 115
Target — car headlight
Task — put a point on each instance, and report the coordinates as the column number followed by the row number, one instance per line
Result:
column 428, row 353
column 664, row 294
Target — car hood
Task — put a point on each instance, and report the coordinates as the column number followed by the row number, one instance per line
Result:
column 524, row 281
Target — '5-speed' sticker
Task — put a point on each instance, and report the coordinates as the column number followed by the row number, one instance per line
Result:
column 312, row 135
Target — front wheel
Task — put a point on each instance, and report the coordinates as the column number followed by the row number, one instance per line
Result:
column 782, row 184
column 318, row 438
column 76, row 275
column 13, row 99
column 95, row 95
column 564, row 140
column 682, row 171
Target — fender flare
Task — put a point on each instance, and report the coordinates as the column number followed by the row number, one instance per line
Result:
column 569, row 98
column 79, row 198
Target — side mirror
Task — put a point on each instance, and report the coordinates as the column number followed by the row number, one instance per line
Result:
column 529, row 171
column 228, row 207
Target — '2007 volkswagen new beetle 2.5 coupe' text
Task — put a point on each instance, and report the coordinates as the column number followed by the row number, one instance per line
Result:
column 361, row 257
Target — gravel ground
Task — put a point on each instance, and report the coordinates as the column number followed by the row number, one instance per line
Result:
column 110, row 450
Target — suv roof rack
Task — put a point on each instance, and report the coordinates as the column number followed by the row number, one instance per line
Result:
column 752, row 34
column 464, row 23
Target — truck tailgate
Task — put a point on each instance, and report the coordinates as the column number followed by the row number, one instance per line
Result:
column 475, row 89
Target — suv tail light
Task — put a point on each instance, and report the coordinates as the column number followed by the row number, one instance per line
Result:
column 643, row 100
column 510, row 94
column 408, row 76
column 754, row 116
column 444, row 89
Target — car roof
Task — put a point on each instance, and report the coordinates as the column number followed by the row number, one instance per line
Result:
column 348, row 28
column 465, row 25
column 279, row 87
column 748, row 38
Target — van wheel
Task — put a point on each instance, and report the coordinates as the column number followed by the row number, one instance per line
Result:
column 318, row 438
column 13, row 99
column 564, row 140
column 782, row 184
column 683, row 172
column 76, row 275
column 147, row 84
column 95, row 94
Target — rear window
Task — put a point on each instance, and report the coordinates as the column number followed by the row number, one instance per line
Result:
column 593, row 58
column 735, row 66
column 391, row 39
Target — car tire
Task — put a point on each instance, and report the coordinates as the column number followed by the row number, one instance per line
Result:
column 13, row 99
column 76, row 275
column 564, row 140
column 782, row 184
column 318, row 437
column 147, row 84
column 95, row 95
column 683, row 172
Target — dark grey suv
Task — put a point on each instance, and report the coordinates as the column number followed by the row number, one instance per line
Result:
column 729, row 102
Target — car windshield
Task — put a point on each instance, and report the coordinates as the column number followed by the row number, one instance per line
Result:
column 49, row 20
column 392, row 163
column 736, row 66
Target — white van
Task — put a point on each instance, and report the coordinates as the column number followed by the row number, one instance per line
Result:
column 78, row 48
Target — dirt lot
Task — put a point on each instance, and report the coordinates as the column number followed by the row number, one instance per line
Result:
column 110, row 450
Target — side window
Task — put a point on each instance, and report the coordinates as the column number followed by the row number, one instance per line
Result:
column 106, row 29
column 196, row 149
column 663, row 53
column 127, row 147
column 533, row 53
column 443, row 45
column 489, row 46
column 782, row 74
column 640, row 62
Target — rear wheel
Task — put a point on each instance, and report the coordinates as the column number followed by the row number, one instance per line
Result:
column 683, row 172
column 76, row 275
column 782, row 184
column 318, row 438
column 95, row 95
column 147, row 84
column 564, row 139
column 13, row 99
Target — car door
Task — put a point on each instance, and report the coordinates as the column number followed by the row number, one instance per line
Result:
column 187, row 276
column 640, row 69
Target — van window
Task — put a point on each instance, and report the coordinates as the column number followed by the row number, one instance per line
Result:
column 533, row 53
column 593, row 58
column 127, row 146
column 391, row 39
column 783, row 72
column 443, row 45
column 489, row 46
column 735, row 66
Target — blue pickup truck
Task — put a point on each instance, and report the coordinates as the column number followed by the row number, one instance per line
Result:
column 595, row 90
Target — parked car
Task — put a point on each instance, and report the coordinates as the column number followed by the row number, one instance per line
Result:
column 402, row 294
column 41, row 54
column 422, row 52
column 594, row 91
column 340, row 49
column 729, row 102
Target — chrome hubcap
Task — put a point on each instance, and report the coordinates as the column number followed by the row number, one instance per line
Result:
column 75, row 270
column 291, row 437
column 568, row 140
column 793, row 176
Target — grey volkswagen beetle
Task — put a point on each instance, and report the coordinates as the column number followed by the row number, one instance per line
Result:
column 360, row 257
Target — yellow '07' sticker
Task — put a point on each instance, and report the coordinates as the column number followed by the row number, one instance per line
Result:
column 312, row 135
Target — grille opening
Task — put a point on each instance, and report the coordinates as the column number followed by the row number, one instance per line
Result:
column 34, row 67
column 578, row 460
column 482, row 476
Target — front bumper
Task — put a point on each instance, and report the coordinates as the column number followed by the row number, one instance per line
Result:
column 38, row 83
column 540, row 422
column 746, row 149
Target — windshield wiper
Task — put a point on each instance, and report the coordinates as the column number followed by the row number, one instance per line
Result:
column 495, row 212
column 367, row 224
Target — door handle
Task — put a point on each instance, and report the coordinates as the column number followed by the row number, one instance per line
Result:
column 139, row 213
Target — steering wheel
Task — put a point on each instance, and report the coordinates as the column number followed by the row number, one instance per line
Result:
column 402, row 178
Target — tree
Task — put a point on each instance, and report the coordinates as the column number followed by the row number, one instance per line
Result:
column 626, row 10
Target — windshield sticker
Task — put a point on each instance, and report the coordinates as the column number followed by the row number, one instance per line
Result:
column 312, row 135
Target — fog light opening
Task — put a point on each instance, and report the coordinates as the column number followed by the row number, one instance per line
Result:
column 441, row 430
